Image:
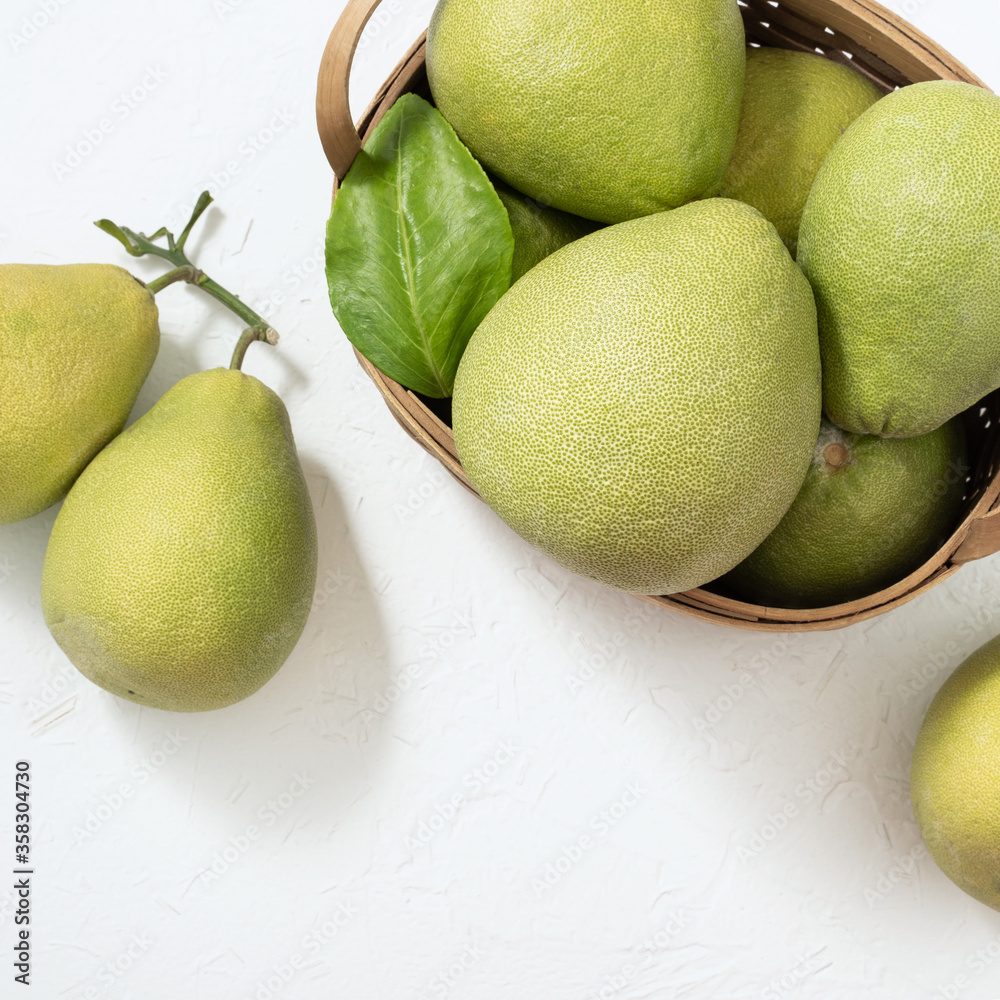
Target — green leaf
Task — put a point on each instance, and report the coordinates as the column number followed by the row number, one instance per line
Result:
column 418, row 248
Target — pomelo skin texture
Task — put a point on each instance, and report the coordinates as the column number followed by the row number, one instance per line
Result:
column 871, row 510
column 796, row 105
column 76, row 344
column 955, row 774
column 900, row 239
column 182, row 565
column 643, row 404
column 538, row 230
column 604, row 110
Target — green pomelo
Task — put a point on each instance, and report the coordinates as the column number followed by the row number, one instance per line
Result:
column 796, row 105
column 76, row 344
column 605, row 111
column 538, row 230
column 871, row 510
column 954, row 776
column 643, row 404
column 900, row 239
column 181, row 568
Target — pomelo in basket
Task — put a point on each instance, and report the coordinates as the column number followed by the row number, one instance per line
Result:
column 871, row 510
column 605, row 110
column 796, row 105
column 644, row 403
column 538, row 230
column 900, row 239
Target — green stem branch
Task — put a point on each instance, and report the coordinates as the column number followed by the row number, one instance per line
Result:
column 185, row 273
column 247, row 337
column 139, row 245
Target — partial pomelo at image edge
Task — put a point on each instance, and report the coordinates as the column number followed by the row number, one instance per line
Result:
column 900, row 359
column 954, row 775
column 80, row 340
column 505, row 100
column 502, row 398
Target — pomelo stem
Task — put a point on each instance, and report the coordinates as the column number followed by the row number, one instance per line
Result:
column 247, row 337
column 835, row 455
column 139, row 245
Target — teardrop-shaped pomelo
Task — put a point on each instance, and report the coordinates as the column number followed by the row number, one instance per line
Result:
column 643, row 404
column 181, row 568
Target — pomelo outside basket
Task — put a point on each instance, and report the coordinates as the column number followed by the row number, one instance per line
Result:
column 860, row 33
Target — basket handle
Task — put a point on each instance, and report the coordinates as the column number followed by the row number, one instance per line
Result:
column 340, row 138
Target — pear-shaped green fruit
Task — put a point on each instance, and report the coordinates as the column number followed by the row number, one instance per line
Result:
column 182, row 565
column 871, row 510
column 538, row 229
column 796, row 105
column 899, row 239
column 76, row 344
column 953, row 777
column 609, row 111
column 643, row 404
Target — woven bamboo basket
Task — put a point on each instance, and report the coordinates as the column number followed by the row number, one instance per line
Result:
column 861, row 33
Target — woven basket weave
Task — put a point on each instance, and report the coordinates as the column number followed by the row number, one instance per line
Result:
column 860, row 33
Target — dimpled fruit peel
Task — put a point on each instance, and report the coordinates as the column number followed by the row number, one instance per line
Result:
column 899, row 241
column 609, row 111
column 644, row 403
column 76, row 343
column 953, row 777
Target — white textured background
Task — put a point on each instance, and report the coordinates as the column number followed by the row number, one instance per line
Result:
column 477, row 777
